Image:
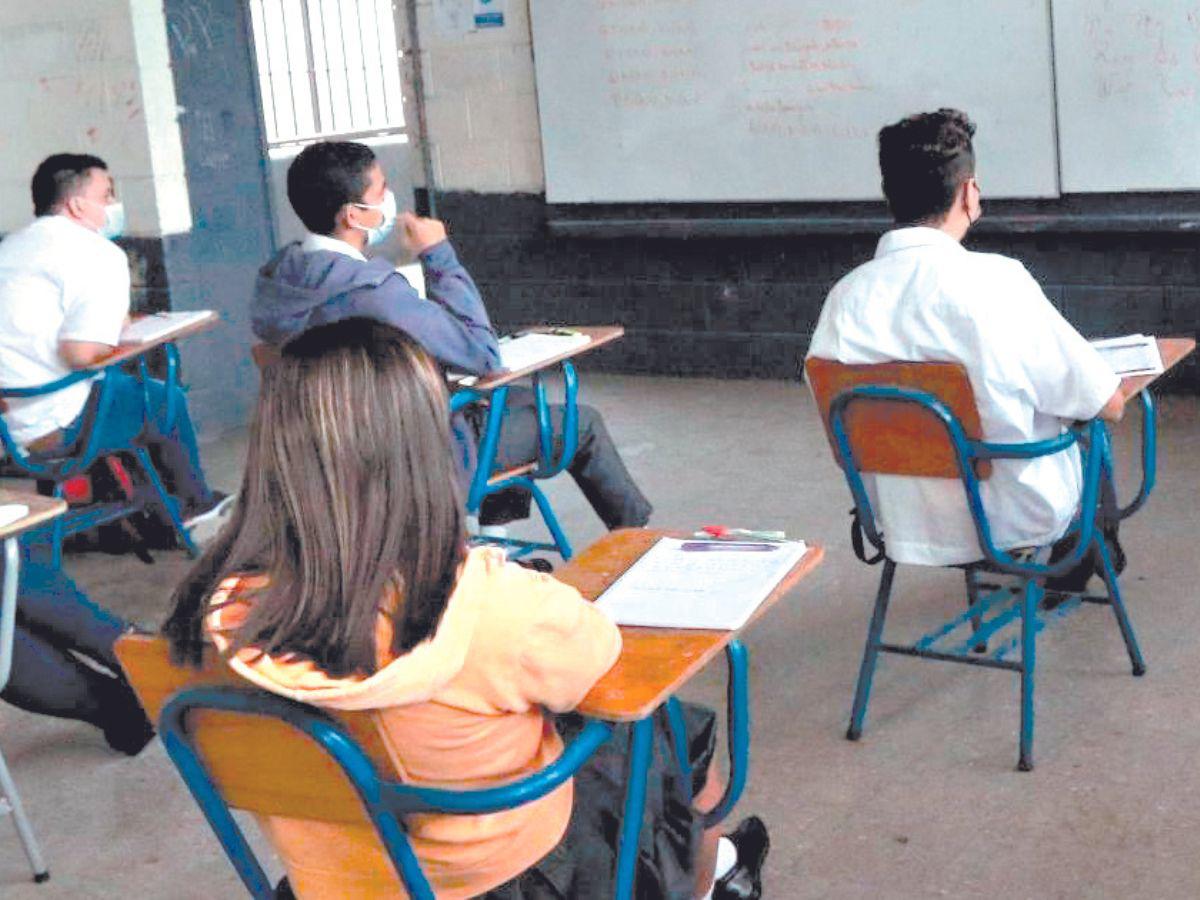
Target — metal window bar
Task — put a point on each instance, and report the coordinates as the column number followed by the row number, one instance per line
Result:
column 320, row 72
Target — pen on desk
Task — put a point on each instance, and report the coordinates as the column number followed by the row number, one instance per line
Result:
column 735, row 546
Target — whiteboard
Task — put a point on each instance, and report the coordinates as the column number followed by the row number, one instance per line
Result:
column 1129, row 94
column 713, row 100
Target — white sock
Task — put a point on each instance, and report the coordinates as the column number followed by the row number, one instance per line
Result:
column 726, row 860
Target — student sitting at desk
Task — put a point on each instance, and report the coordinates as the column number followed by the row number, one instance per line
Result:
column 63, row 662
column 339, row 192
column 64, row 298
column 925, row 297
column 344, row 581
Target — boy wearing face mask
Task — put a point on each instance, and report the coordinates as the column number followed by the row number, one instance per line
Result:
column 339, row 192
column 64, row 298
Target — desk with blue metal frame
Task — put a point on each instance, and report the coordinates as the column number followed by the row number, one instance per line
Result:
column 60, row 469
column 493, row 390
column 653, row 665
column 41, row 510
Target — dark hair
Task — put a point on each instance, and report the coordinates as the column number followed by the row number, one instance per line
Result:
column 60, row 176
column 349, row 506
column 923, row 159
column 323, row 178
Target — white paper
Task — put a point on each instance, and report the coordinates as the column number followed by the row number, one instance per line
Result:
column 536, row 347
column 152, row 327
column 717, row 585
column 12, row 512
column 414, row 274
column 1133, row 354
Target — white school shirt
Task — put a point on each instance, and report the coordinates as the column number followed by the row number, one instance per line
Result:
column 924, row 297
column 58, row 281
column 313, row 242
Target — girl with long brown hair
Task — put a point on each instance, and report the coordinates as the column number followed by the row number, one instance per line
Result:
column 344, row 580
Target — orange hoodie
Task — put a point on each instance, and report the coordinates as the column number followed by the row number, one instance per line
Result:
column 462, row 709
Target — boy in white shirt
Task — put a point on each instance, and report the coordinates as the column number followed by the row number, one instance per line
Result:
column 925, row 297
column 64, row 298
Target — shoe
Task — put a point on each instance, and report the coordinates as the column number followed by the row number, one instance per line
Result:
column 125, row 725
column 206, row 525
column 744, row 880
column 537, row 564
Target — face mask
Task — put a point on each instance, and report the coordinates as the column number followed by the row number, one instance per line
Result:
column 377, row 234
column 114, row 220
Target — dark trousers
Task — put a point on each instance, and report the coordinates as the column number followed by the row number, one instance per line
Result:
column 175, row 454
column 57, row 625
column 597, row 467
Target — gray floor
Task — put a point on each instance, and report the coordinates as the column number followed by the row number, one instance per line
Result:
column 927, row 804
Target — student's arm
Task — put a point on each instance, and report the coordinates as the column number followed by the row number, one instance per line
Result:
column 81, row 354
column 1114, row 409
column 450, row 287
column 550, row 644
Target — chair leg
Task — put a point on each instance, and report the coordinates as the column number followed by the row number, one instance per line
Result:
column 1029, row 604
column 24, row 829
column 56, row 532
column 972, row 599
column 866, row 672
column 1109, row 574
column 635, row 807
column 551, row 520
column 169, row 504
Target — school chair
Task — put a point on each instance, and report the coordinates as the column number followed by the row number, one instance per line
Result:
column 548, row 464
column 237, row 747
column 10, row 800
column 920, row 419
column 78, row 458
column 486, row 481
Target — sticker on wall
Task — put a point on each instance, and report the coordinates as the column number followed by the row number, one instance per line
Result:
column 489, row 13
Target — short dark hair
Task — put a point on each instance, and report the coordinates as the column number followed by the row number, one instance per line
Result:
column 324, row 177
column 923, row 159
column 59, row 176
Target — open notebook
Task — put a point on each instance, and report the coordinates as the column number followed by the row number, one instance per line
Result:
column 152, row 327
column 1133, row 354
column 699, row 583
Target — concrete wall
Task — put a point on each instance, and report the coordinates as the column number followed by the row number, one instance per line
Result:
column 91, row 76
column 480, row 99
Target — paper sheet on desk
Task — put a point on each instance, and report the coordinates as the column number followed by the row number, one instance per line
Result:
column 12, row 512
column 717, row 588
column 1133, row 354
column 154, row 326
column 520, row 351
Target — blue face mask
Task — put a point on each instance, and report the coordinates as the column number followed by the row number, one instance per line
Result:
column 114, row 220
column 380, row 232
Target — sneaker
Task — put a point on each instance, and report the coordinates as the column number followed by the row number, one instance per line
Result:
column 744, row 880
column 204, row 526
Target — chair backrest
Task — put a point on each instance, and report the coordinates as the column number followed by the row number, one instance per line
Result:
column 260, row 764
column 892, row 437
column 241, row 748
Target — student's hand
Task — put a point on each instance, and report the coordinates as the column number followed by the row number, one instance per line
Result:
column 419, row 234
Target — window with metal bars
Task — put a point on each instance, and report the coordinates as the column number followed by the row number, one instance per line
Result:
column 327, row 68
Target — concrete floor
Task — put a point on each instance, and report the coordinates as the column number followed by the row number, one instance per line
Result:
column 927, row 804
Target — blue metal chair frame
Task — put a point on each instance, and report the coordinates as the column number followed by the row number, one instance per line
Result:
column 548, row 465
column 992, row 608
column 79, row 458
column 387, row 802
